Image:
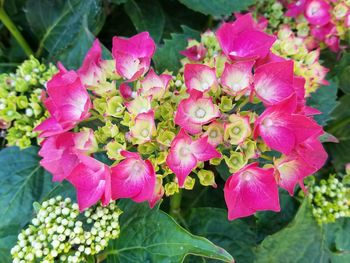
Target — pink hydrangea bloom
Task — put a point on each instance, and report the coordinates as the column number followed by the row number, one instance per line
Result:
column 68, row 103
column 282, row 129
column 250, row 190
column 317, row 12
column 273, row 82
column 237, row 77
column 154, row 85
column 92, row 182
column 195, row 111
column 91, row 72
column 60, row 151
column 242, row 39
column 185, row 153
column 195, row 53
column 296, row 8
column 133, row 178
column 157, row 193
column 199, row 77
column 133, row 55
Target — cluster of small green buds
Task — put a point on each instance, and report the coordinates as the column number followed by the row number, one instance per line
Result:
column 273, row 11
column 60, row 234
column 330, row 199
column 20, row 101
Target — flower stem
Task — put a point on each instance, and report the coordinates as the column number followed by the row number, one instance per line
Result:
column 175, row 204
column 6, row 20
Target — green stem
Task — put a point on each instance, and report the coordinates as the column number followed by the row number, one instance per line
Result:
column 175, row 204
column 6, row 20
column 243, row 103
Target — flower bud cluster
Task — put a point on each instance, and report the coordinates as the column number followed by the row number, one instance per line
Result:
column 320, row 23
column 59, row 234
column 20, row 101
column 330, row 199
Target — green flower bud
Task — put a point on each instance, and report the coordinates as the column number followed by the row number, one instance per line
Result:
column 146, row 148
column 21, row 85
column 165, row 137
column 22, row 102
column 115, row 107
column 113, row 150
column 206, row 178
column 226, row 104
column 171, row 188
column 235, row 162
column 237, row 130
column 189, row 183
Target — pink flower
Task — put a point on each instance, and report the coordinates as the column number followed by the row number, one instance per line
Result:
column 249, row 190
column 195, row 111
column 133, row 55
column 237, row 77
column 60, row 152
column 242, row 40
column 317, row 12
column 157, row 193
column 321, row 32
column 144, row 127
column 125, row 91
column 273, row 82
column 296, row 8
column 195, row 53
column 133, row 178
column 307, row 158
column 92, row 182
column 154, row 85
column 68, row 103
column 199, row 77
column 291, row 170
column 282, row 129
column 90, row 72
column 185, row 153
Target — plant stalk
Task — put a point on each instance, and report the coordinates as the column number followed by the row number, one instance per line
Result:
column 6, row 20
column 175, row 204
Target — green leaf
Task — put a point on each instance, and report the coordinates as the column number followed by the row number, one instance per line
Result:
column 301, row 241
column 167, row 55
column 150, row 235
column 217, row 7
column 325, row 100
column 146, row 15
column 269, row 222
column 23, row 182
column 340, row 128
column 342, row 70
column 238, row 237
column 58, row 24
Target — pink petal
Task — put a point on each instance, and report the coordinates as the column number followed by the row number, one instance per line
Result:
column 237, row 77
column 203, row 151
column 199, row 77
column 317, row 12
column 90, row 179
column 249, row 190
column 273, row 82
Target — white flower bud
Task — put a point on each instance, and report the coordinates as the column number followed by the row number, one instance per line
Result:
column 87, row 251
column 65, row 211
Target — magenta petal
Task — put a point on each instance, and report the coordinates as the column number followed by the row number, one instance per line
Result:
column 273, row 82
column 133, row 178
column 90, row 179
column 199, row 77
column 317, row 12
column 203, row 151
column 249, row 190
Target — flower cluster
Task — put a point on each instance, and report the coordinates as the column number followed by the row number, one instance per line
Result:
column 330, row 199
column 321, row 23
column 20, row 101
column 162, row 128
column 56, row 233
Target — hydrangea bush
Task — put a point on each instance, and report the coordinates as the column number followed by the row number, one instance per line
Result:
column 224, row 141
